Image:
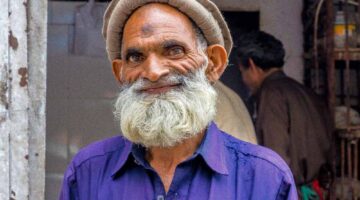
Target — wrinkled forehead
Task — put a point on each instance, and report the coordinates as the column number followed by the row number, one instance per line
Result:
column 154, row 18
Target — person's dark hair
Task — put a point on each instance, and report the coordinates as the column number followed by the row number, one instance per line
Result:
column 264, row 49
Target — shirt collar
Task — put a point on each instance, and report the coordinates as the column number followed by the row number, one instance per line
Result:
column 211, row 149
column 123, row 157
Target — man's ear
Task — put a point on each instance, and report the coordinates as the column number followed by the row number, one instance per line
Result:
column 217, row 62
column 252, row 65
column 116, row 69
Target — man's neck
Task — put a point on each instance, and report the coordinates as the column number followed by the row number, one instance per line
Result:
column 165, row 160
column 264, row 75
column 270, row 72
column 174, row 155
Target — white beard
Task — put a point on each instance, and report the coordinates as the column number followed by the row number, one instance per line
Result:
column 166, row 119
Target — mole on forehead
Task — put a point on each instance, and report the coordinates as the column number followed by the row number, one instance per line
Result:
column 147, row 29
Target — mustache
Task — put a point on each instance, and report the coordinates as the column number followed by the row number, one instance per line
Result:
column 174, row 79
column 170, row 80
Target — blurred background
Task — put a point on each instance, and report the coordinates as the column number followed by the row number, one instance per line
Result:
column 57, row 89
column 322, row 43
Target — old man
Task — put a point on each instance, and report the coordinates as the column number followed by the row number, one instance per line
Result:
column 166, row 55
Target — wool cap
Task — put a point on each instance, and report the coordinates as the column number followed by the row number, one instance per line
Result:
column 204, row 13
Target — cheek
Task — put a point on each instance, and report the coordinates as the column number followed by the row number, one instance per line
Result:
column 130, row 75
column 244, row 78
column 247, row 79
column 188, row 64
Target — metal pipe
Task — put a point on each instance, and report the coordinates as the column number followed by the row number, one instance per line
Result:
column 330, row 58
column 349, row 161
column 356, row 154
column 351, row 2
column 316, row 62
column 347, row 63
column 342, row 165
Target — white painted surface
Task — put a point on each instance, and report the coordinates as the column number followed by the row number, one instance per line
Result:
column 238, row 5
column 281, row 18
column 22, row 98
column 18, row 102
column 37, row 57
column 4, row 119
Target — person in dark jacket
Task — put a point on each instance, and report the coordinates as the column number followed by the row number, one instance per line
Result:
column 289, row 118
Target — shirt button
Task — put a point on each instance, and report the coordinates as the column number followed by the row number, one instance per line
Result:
column 160, row 197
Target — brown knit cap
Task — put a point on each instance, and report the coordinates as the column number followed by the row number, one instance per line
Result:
column 204, row 13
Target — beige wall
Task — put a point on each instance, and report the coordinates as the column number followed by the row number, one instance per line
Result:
column 282, row 18
column 80, row 93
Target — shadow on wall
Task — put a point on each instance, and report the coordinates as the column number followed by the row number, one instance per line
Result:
column 238, row 26
column 80, row 94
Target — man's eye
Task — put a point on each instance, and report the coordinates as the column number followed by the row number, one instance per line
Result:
column 136, row 58
column 176, row 51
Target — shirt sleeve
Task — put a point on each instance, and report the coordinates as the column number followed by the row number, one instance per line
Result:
column 287, row 191
column 273, row 122
column 69, row 190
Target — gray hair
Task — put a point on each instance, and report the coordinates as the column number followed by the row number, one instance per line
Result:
column 201, row 42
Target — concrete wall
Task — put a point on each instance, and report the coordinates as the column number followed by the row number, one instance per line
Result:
column 23, row 26
column 282, row 18
column 81, row 90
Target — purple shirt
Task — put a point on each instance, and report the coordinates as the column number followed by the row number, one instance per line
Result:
column 222, row 168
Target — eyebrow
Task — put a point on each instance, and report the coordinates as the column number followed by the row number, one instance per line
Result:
column 172, row 43
column 167, row 44
column 132, row 51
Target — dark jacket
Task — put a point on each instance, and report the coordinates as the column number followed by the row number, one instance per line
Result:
column 294, row 122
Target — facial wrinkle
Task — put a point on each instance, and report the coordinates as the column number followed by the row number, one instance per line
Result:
column 192, row 62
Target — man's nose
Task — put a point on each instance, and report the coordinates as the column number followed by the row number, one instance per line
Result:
column 154, row 69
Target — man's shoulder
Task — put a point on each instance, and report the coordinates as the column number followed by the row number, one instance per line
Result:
column 259, row 166
column 100, row 149
column 255, row 154
column 285, row 85
column 280, row 83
